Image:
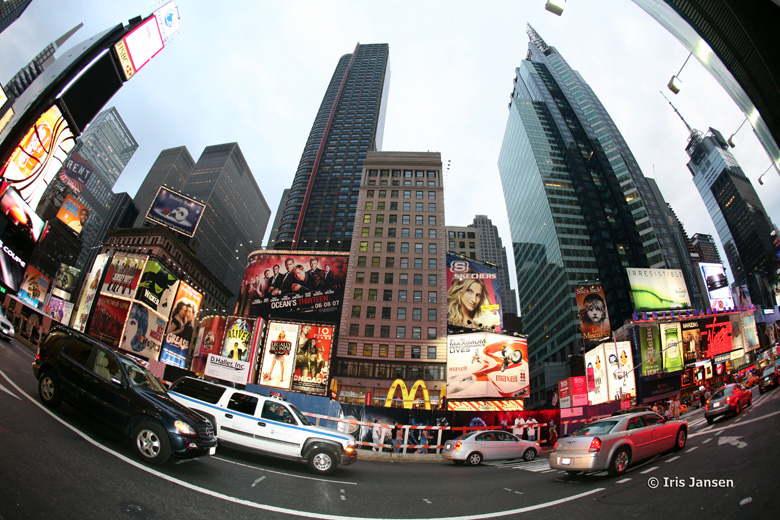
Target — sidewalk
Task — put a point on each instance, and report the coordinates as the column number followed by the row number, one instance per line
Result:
column 417, row 457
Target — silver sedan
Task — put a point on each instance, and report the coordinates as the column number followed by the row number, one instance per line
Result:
column 615, row 442
column 477, row 446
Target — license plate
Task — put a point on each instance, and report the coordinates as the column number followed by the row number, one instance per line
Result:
column 213, row 450
column 566, row 461
column 716, row 405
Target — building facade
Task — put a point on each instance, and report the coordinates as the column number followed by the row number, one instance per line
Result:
column 319, row 212
column 394, row 317
column 706, row 248
column 464, row 241
column 171, row 169
column 494, row 252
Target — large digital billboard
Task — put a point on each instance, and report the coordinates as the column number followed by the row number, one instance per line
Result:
column 286, row 284
column 20, row 226
column 175, row 211
column 718, row 291
column 39, row 156
column 658, row 289
column 483, row 364
column 592, row 311
column 671, row 341
column 473, row 295
column 74, row 214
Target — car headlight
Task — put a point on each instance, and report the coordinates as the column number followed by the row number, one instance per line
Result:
column 184, row 428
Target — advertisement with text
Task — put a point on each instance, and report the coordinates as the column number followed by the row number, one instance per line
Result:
column 143, row 332
column 592, row 311
column 473, row 295
column 483, row 364
column 312, row 360
column 658, row 289
column 181, row 326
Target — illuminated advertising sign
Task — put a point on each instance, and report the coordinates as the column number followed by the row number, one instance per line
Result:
column 108, row 319
column 73, row 213
column 658, row 289
column 34, row 286
column 65, row 281
column 592, row 311
column 12, row 266
column 236, row 359
column 312, row 359
column 39, row 156
column 650, row 350
column 143, row 332
column 596, row 361
column 286, row 284
column 622, row 381
column 751, row 333
column 20, row 226
column 176, row 211
column 167, row 20
column 281, row 342
column 670, row 345
column 716, row 336
column 209, row 341
column 60, row 310
column 718, row 291
column 237, row 339
column 483, row 364
column 691, row 337
column 573, row 391
column 123, row 275
column 89, row 291
column 140, row 46
column 181, row 326
column 157, row 288
column 75, row 172
column 473, row 295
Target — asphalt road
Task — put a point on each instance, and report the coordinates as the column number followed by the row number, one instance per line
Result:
column 62, row 465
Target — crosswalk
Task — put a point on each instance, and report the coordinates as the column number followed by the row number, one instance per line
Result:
column 535, row 466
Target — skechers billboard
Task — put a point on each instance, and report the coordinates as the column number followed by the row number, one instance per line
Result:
column 473, row 296
column 283, row 285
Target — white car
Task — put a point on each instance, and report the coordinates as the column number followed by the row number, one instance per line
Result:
column 6, row 327
column 482, row 445
column 255, row 422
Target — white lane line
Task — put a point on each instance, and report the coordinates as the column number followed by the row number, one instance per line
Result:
column 648, row 470
column 343, row 496
column 623, row 481
column 256, row 482
column 283, row 473
column 692, row 449
column 673, row 458
column 427, row 501
column 707, row 440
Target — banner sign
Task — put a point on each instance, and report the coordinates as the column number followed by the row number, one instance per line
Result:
column 108, row 319
column 181, row 326
column 657, row 289
column 123, row 275
column 596, row 361
column 312, row 360
column 483, row 364
column 227, row 369
column 157, row 288
column 473, row 295
column 174, row 210
column 88, row 291
column 650, row 349
column 670, row 345
column 75, row 172
column 281, row 342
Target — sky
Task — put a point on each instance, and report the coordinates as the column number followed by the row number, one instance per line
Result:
column 254, row 72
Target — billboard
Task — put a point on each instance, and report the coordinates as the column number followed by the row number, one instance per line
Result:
column 181, row 326
column 60, row 310
column 12, row 266
column 123, row 275
column 237, row 351
column 65, row 281
column 39, row 156
column 208, row 341
column 751, row 332
column 176, row 211
column 483, row 364
column 286, row 284
column 596, row 369
column 312, row 359
column 573, row 391
column 108, row 319
column 691, row 338
column 237, row 343
column 157, row 288
column 473, row 295
column 718, row 291
column 592, row 311
column 143, row 332
column 622, row 380
column 716, row 336
column 75, row 171
column 20, row 226
column 88, row 291
column 671, row 339
column 167, row 20
column 139, row 46
column 649, row 349
column 658, row 289
column 34, row 286
column 281, row 342
column 73, row 213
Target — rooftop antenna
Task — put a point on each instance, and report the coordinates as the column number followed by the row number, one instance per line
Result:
column 690, row 130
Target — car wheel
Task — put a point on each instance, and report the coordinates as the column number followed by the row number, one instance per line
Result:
column 529, row 455
column 475, row 459
column 680, row 440
column 49, row 389
column 619, row 462
column 709, row 420
column 151, row 443
column 321, row 461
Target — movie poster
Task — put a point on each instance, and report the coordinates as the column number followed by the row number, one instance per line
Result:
column 143, row 332
column 473, row 295
column 312, row 361
column 108, row 319
column 181, row 326
column 280, row 284
column 690, row 341
column 237, row 339
column 670, row 340
column 157, row 288
column 483, row 364
column 281, row 341
column 123, row 275
column 592, row 311
column 208, row 341
column 34, row 286
column 65, row 281
column 89, row 291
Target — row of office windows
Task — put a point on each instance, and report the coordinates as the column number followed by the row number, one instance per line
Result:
column 432, row 372
column 387, row 294
column 369, row 331
column 383, row 350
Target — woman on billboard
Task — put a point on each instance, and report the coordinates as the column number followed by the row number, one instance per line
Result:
column 465, row 301
column 593, row 316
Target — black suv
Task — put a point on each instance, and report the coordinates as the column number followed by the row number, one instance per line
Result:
column 111, row 386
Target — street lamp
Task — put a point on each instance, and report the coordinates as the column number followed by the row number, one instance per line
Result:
column 675, row 83
column 762, row 175
column 730, row 140
column 555, row 6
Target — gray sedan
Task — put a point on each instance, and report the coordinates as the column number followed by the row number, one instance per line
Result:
column 477, row 446
column 615, row 442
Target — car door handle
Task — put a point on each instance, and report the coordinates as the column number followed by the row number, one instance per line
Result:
column 229, row 415
column 260, row 423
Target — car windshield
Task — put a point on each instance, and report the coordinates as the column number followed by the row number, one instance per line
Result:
column 597, row 428
column 720, row 394
column 768, row 371
column 142, row 378
column 302, row 418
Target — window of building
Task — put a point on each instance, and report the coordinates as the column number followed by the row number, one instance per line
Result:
column 390, row 249
column 405, row 219
column 416, row 351
column 382, row 353
column 432, row 263
column 416, row 333
column 387, row 313
column 418, row 263
column 418, row 233
column 369, row 333
column 369, row 205
column 432, row 207
column 356, row 311
column 418, row 279
column 361, row 261
column 399, row 353
column 418, row 220
column 432, row 195
column 374, row 277
column 432, row 314
column 354, row 329
column 400, row 332
column 418, row 206
column 378, row 245
column 368, row 349
column 358, row 294
column 378, row 233
column 360, row 277
column 404, row 262
column 403, row 279
column 352, row 349
column 432, row 280
column 371, row 312
column 407, row 194
column 417, row 296
column 367, row 218
column 376, row 261
column 431, row 352
column 432, row 296
column 401, row 313
column 416, row 314
column 431, row 332
column 431, row 220
column 402, row 295
column 372, row 294
column 365, row 231
column 384, row 331
column 404, row 247
column 363, row 246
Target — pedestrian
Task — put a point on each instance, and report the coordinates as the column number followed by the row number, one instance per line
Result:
column 676, row 408
column 519, row 427
column 376, row 434
column 424, row 441
column 531, row 425
column 668, row 412
column 398, row 437
column 656, row 409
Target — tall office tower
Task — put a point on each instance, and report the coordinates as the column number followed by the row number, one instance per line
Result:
column 236, row 214
column 27, row 74
column 705, row 247
column 394, row 317
column 320, row 210
column 278, row 218
column 737, row 42
column 464, row 241
column 171, row 169
column 576, row 202
column 10, row 10
column 494, row 252
column 743, row 226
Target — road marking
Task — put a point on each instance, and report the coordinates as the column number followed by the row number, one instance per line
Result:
column 283, row 473
column 343, row 496
column 7, row 391
column 258, row 481
column 732, row 440
column 743, row 423
column 706, row 440
column 623, row 481
column 745, row 501
column 283, row 510
column 648, row 470
column 673, row 458
column 427, row 501
column 692, row 449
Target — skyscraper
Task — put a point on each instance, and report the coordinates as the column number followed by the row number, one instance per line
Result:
column 171, row 169
column 320, row 210
column 493, row 251
column 580, row 210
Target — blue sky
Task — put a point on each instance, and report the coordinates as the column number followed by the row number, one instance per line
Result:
column 254, row 72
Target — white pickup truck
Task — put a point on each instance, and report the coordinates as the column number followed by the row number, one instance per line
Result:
column 252, row 421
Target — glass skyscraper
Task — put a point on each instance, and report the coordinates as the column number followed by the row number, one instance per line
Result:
column 580, row 210
column 320, row 210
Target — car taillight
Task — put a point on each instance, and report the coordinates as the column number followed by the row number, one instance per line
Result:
column 458, row 445
column 555, row 446
column 595, row 445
